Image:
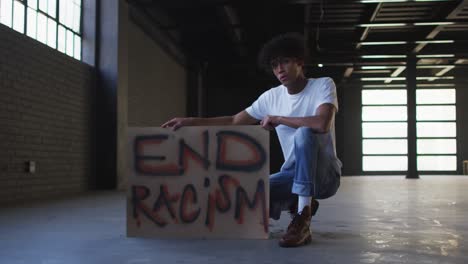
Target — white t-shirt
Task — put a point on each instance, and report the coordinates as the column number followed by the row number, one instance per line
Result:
column 277, row 101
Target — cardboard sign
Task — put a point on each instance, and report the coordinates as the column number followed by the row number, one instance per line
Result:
column 198, row 182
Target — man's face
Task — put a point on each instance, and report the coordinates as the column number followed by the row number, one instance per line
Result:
column 286, row 69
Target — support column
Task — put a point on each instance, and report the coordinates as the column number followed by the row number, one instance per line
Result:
column 411, row 96
column 106, row 94
column 201, row 90
column 89, row 31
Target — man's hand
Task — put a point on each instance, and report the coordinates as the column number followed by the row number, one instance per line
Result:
column 270, row 122
column 178, row 122
column 242, row 118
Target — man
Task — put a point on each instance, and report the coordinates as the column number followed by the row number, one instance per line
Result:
column 302, row 112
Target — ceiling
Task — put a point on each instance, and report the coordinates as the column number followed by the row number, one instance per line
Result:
column 356, row 42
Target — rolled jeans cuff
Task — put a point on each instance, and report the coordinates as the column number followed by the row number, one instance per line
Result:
column 303, row 189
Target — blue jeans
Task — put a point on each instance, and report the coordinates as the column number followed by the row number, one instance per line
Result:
column 312, row 174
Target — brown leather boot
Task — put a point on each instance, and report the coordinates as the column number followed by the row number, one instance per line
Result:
column 298, row 232
column 292, row 209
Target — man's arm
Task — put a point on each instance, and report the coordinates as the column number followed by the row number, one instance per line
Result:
column 320, row 123
column 241, row 118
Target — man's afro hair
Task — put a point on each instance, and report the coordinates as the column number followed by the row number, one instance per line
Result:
column 285, row 45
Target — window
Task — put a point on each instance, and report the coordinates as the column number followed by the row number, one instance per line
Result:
column 6, row 12
column 56, row 23
column 18, row 16
column 384, row 130
column 436, row 144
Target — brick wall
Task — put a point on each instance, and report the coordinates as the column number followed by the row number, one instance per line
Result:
column 45, row 116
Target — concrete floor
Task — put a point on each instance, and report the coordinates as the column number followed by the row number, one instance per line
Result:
column 370, row 220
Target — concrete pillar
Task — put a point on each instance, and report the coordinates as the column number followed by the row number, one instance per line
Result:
column 411, row 91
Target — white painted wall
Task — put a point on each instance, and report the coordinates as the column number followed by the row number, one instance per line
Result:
column 151, row 86
column 157, row 83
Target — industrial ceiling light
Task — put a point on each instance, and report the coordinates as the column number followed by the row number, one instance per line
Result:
column 368, row 43
column 433, row 23
column 383, row 25
column 436, row 85
column 433, row 66
column 434, row 41
column 371, row 79
column 383, row 56
column 435, row 55
column 383, row 85
column 320, row 65
column 399, row 1
column 378, row 67
column 436, row 78
column 372, row 71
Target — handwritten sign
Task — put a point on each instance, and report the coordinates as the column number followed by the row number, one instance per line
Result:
column 198, row 182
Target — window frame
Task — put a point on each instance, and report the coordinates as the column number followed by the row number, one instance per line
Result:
column 76, row 34
column 433, row 172
column 405, row 121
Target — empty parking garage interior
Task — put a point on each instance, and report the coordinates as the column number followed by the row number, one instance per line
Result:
column 76, row 74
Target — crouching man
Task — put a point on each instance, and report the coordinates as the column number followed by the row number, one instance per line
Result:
column 302, row 111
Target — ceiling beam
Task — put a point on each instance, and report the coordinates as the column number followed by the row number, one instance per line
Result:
column 330, row 25
column 347, row 46
column 384, row 65
column 445, row 70
column 436, row 30
column 348, row 72
column 183, row 4
column 420, row 78
column 365, row 32
column 356, row 1
column 398, row 1
column 457, row 10
column 235, row 33
column 397, row 72
column 233, row 19
column 371, row 56
column 307, row 9
column 431, row 35
column 404, row 42
column 413, row 24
